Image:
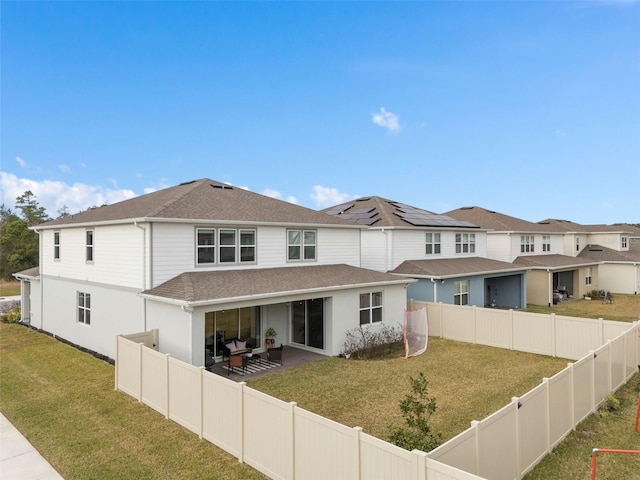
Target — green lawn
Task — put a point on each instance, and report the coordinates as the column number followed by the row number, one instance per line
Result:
column 625, row 308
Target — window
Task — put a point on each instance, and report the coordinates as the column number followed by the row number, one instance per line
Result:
column 84, row 308
column 227, row 246
column 301, row 245
column 588, row 276
column 370, row 308
column 89, row 242
column 206, row 245
column 433, row 244
column 247, row 246
column 56, row 245
column 546, row 243
column 623, row 243
column 222, row 246
column 577, row 244
column 526, row 243
column 465, row 242
column 461, row 292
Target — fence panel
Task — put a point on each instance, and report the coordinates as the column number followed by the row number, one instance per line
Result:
column 222, row 412
column 185, row 395
column 380, row 460
column 155, row 368
column 148, row 338
column 460, row 452
column 324, row 448
column 493, row 327
column 497, row 444
column 268, row 434
column 576, row 336
column 441, row 471
column 533, row 421
column 560, row 406
column 611, row 329
column 533, row 333
column 458, row 323
column 632, row 349
column 583, row 387
column 617, row 366
column 128, row 367
column 602, row 372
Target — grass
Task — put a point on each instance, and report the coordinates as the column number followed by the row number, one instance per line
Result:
column 63, row 401
column 469, row 382
column 625, row 308
column 9, row 288
column 572, row 458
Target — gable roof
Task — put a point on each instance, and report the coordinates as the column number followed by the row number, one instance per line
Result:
column 201, row 200
column 208, row 287
column 381, row 212
column 455, row 267
column 490, row 220
column 567, row 226
column 604, row 254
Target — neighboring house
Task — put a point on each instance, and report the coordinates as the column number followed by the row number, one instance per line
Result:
column 446, row 255
column 205, row 262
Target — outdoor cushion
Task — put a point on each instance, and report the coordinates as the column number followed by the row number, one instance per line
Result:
column 231, row 346
column 241, row 345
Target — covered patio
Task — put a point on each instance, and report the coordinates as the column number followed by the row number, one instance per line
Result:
column 291, row 357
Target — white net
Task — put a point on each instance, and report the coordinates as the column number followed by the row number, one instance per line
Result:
column 416, row 332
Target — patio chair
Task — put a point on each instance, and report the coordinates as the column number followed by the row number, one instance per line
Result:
column 238, row 361
column 275, row 354
column 208, row 360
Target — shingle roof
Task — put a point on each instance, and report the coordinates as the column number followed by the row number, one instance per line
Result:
column 215, row 286
column 448, row 267
column 381, row 212
column 552, row 261
column 569, row 226
column 33, row 272
column 490, row 220
column 201, row 200
column 604, row 254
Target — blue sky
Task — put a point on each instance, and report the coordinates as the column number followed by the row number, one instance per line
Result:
column 531, row 109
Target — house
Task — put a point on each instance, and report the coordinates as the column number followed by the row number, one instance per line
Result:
column 446, row 256
column 556, row 256
column 204, row 262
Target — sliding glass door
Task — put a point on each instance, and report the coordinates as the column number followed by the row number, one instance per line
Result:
column 307, row 322
column 225, row 325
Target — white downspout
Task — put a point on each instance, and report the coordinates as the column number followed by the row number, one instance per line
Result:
column 144, row 273
column 549, row 287
column 435, row 291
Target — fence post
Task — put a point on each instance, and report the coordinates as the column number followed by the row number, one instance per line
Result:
column 474, row 311
column 475, row 425
column 511, row 327
column 141, row 373
column 242, row 415
column 168, row 392
column 419, row 460
column 201, row 398
column 554, row 340
column 117, row 360
column 292, row 474
column 356, row 437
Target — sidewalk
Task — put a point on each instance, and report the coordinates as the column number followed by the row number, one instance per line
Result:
column 18, row 459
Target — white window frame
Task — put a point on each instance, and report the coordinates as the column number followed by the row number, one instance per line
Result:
column 624, row 243
column 461, row 292
column 527, row 243
column 84, row 308
column 89, row 238
column 546, row 243
column 305, row 244
column 588, row 276
column 56, row 245
column 577, row 244
column 465, row 242
column 370, row 308
column 433, row 244
column 223, row 251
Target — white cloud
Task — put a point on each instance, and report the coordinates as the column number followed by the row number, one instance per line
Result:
column 21, row 162
column 387, row 120
column 269, row 192
column 326, row 196
column 54, row 195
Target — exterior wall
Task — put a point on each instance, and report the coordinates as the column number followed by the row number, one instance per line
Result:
column 31, row 303
column 117, row 255
column 538, row 287
column 499, row 247
column 177, row 331
column 174, row 249
column 619, row 278
column 609, row 240
column 113, row 312
column 375, row 246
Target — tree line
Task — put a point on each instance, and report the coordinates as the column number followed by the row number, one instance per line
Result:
column 19, row 244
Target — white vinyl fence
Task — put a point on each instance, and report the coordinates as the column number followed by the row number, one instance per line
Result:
column 284, row 441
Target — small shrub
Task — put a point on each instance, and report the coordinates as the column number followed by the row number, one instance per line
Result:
column 608, row 405
column 10, row 311
column 417, row 408
column 368, row 343
column 14, row 315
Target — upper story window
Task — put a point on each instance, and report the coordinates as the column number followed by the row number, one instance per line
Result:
column 461, row 292
column 301, row 245
column 89, row 245
column 465, row 242
column 84, row 308
column 577, row 244
column 370, row 308
column 225, row 245
column 546, row 243
column 432, row 243
column 624, row 243
column 527, row 243
column 56, row 245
